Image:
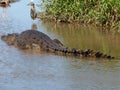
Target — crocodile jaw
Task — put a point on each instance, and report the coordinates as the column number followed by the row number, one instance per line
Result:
column 10, row 38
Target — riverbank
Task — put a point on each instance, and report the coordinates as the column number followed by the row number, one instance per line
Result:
column 101, row 13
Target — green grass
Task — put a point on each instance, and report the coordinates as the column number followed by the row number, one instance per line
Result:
column 100, row 12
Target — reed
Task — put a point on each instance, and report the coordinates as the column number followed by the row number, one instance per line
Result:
column 100, row 12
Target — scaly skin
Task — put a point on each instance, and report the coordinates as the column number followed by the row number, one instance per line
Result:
column 31, row 39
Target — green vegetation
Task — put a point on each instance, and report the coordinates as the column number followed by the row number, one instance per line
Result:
column 100, row 12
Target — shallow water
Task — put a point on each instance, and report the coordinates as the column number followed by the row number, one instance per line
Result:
column 25, row 70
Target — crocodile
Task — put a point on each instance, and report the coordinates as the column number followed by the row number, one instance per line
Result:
column 31, row 39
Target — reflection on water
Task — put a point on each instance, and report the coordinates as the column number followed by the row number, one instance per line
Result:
column 34, row 26
column 86, row 37
column 4, row 14
column 25, row 70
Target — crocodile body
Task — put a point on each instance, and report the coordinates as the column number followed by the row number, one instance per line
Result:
column 31, row 39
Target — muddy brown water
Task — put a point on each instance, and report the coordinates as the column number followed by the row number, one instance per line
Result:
column 26, row 70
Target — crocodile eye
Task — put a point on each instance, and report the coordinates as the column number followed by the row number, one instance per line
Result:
column 4, row 37
column 34, row 38
column 41, row 43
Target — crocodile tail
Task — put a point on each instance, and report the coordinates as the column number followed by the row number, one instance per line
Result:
column 81, row 53
column 86, row 53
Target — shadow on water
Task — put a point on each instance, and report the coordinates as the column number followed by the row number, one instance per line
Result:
column 86, row 37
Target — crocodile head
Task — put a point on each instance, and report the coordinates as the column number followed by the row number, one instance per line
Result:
column 10, row 38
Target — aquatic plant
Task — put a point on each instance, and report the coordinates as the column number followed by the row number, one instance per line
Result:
column 100, row 12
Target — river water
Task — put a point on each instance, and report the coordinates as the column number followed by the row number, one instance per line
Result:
column 29, row 70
